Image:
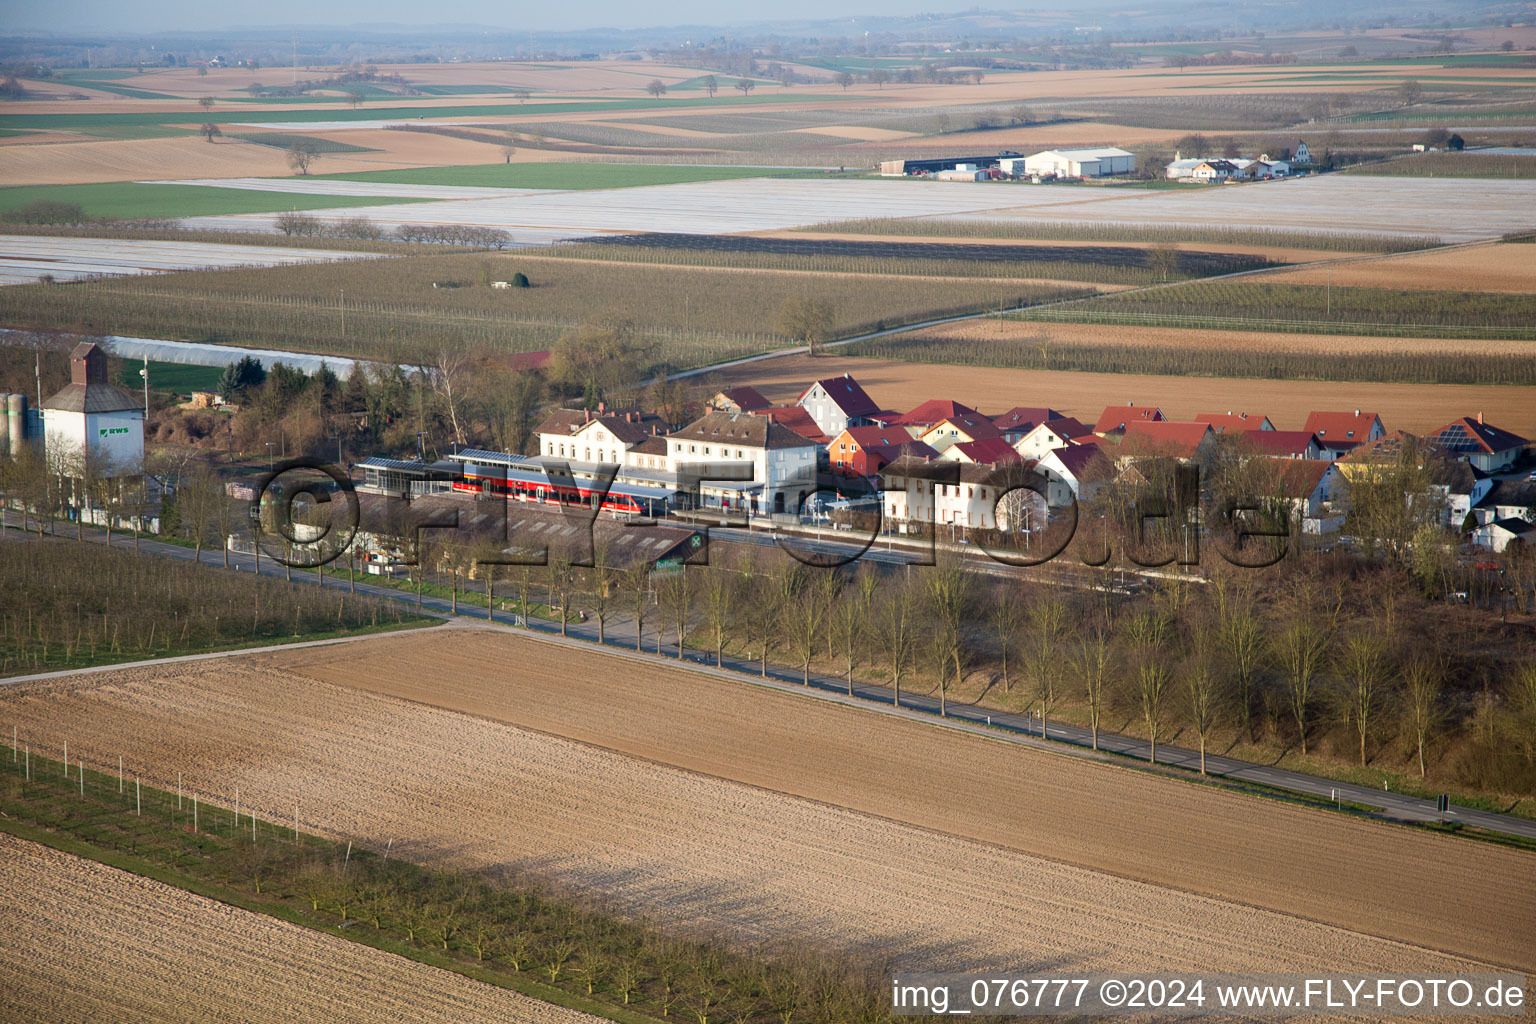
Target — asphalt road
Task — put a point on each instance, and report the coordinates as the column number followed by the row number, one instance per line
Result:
column 1021, row 729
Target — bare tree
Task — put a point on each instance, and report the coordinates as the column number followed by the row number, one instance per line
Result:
column 850, row 617
column 676, row 595
column 301, row 155
column 711, row 85
column 209, row 130
column 656, row 88
column 1007, row 619
column 805, row 319
column 1242, row 639
column 1094, row 661
column 844, row 79
column 746, row 85
column 1148, row 631
column 637, row 585
column 509, row 146
column 897, row 620
column 1047, row 634
column 1424, row 689
column 602, row 577
column 1162, row 260
column 1363, row 670
column 718, row 593
column 1302, row 649
column 206, row 102
column 354, row 98
column 949, row 588
column 1205, row 694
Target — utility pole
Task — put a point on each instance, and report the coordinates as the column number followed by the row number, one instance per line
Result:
column 145, row 374
column 295, row 58
column 343, row 314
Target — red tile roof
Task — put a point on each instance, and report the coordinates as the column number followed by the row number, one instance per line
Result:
column 1117, row 417
column 989, row 450
column 797, row 419
column 1294, row 478
column 1468, row 435
column 974, row 424
column 1025, row 417
column 931, row 412
column 1233, row 420
column 1068, row 427
column 1278, row 442
column 876, row 437
column 1341, row 426
column 1165, row 437
column 747, row 399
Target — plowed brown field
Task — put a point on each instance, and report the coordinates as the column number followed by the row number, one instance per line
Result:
column 899, row 385
column 1509, row 267
column 933, row 848
column 80, row 941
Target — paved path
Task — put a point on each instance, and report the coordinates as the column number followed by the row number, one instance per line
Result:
column 1021, row 729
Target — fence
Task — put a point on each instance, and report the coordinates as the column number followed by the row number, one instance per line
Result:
column 1280, row 326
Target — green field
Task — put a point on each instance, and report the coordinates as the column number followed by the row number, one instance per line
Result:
column 133, row 200
column 181, row 378
column 564, row 176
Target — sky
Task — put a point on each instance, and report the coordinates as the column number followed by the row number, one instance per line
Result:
column 78, row 16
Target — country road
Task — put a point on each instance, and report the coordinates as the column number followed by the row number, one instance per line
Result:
column 1014, row 728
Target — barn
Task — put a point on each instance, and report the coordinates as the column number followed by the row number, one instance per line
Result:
column 1080, row 163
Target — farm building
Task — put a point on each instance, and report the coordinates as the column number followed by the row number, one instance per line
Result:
column 898, row 168
column 92, row 424
column 1075, row 163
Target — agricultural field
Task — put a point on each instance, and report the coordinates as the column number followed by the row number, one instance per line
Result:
column 561, row 176
column 662, row 790
column 1089, row 263
column 1278, row 305
column 77, row 609
column 1176, row 351
column 1487, row 268
column 139, row 200
column 899, row 384
column 26, row 258
column 84, row 941
column 691, row 316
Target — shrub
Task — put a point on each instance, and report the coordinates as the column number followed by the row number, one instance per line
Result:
column 301, row 224
column 45, row 211
column 520, row 280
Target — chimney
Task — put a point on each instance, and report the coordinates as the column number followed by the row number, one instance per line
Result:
column 586, row 415
column 1479, row 417
column 601, row 406
column 1357, row 412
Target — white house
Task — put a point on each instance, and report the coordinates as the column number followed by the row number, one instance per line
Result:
column 1213, row 170
column 838, row 403
column 1076, row 471
column 92, row 424
column 1080, row 163
column 779, row 464
column 1313, row 491
column 1050, row 435
column 949, row 493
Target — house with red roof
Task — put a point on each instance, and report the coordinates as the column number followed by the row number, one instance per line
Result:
column 865, row 451
column 1077, row 471
column 1343, row 432
column 796, row 418
column 1487, row 448
column 738, row 399
column 1021, row 419
column 1224, row 421
column 1313, row 491
column 1280, row 444
column 954, row 429
column 935, row 410
column 838, row 403
column 1115, row 418
column 1178, row 439
column 989, row 451
column 1051, row 434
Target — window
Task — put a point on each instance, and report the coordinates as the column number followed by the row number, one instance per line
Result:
column 970, row 492
column 693, row 448
column 842, row 447
column 587, row 455
column 679, row 449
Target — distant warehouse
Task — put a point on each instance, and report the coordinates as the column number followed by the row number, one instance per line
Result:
column 897, row 168
column 1073, row 163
